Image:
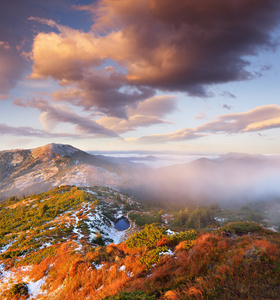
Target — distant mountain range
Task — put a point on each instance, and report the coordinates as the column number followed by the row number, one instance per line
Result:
column 231, row 178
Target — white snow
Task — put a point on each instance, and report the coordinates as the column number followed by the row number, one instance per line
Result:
column 119, row 214
column 271, row 228
column 6, row 247
column 34, row 288
column 63, row 150
column 87, row 175
column 4, row 275
column 170, row 232
column 91, row 192
column 98, row 267
column 130, row 274
column 77, row 231
column 46, row 245
column 109, row 231
column 122, row 268
column 220, row 219
column 169, row 252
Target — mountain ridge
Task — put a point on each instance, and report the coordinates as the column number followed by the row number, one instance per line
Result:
column 32, row 170
column 203, row 180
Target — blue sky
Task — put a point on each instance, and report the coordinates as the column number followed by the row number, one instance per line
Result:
column 141, row 75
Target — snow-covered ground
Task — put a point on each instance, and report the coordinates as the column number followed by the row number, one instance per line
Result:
column 34, row 288
column 10, row 277
column 97, row 223
column 221, row 220
column 6, row 247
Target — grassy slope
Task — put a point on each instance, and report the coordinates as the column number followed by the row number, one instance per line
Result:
column 239, row 261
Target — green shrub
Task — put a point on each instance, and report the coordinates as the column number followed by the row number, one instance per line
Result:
column 11, row 254
column 37, row 257
column 141, row 220
column 241, row 228
column 183, row 236
column 146, row 238
column 153, row 256
column 135, row 295
column 19, row 289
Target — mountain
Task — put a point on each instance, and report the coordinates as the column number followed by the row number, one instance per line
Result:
column 32, row 171
column 63, row 244
column 230, row 182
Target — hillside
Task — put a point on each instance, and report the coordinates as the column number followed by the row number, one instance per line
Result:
column 63, row 244
column 35, row 170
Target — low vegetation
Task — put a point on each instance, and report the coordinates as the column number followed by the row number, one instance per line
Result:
column 48, row 239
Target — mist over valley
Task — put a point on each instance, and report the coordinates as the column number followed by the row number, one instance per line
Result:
column 232, row 180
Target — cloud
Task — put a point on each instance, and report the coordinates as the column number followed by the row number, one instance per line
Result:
column 200, row 116
column 226, row 106
column 258, row 119
column 147, row 113
column 76, row 58
column 228, row 95
column 28, row 131
column 133, row 122
column 159, row 106
column 17, row 33
column 11, row 67
column 178, row 135
column 136, row 47
column 51, row 115
column 5, row 45
column 187, row 45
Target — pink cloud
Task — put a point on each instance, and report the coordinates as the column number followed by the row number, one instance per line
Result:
column 258, row 119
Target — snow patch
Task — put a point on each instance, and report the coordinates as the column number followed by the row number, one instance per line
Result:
column 5, row 275
column 122, row 268
column 63, row 150
column 34, row 288
column 97, row 266
column 221, row 220
column 170, row 232
column 6, row 247
column 169, row 252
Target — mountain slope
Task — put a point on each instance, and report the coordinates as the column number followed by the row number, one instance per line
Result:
column 34, row 228
column 57, row 246
column 32, row 171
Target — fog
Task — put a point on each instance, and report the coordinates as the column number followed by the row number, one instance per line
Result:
column 230, row 182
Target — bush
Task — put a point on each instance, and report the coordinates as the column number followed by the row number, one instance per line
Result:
column 153, row 256
column 241, row 228
column 183, row 236
column 19, row 289
column 135, row 295
column 141, row 220
column 147, row 238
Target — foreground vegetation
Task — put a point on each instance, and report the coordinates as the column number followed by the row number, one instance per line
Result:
column 238, row 260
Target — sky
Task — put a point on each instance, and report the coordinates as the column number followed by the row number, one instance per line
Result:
column 192, row 76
